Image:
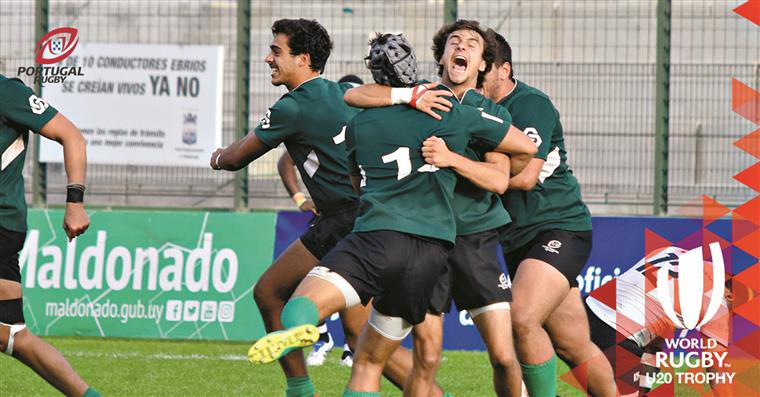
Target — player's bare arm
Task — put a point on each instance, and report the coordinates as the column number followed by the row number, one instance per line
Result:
column 520, row 148
column 287, row 170
column 493, row 177
column 61, row 130
column 238, row 154
column 369, row 96
column 528, row 177
column 498, row 161
column 419, row 97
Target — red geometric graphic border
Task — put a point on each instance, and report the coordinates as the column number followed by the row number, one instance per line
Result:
column 744, row 349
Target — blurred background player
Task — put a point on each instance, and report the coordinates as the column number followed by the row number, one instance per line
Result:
column 310, row 119
column 465, row 53
column 547, row 243
column 639, row 324
column 21, row 111
column 287, row 170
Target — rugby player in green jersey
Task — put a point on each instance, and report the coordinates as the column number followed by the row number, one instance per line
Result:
column 311, row 120
column 465, row 53
column 288, row 174
column 547, row 243
column 397, row 251
column 21, row 110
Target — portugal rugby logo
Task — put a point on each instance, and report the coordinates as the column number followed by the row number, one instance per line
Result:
column 691, row 288
column 56, row 45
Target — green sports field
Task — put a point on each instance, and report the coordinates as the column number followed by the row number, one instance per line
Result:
column 119, row 367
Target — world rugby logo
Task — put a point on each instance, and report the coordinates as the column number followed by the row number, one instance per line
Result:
column 691, row 288
column 56, row 45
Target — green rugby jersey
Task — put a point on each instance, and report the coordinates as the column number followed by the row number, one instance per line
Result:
column 555, row 202
column 311, row 120
column 477, row 210
column 21, row 110
column 400, row 191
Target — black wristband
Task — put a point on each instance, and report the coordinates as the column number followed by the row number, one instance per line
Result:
column 74, row 193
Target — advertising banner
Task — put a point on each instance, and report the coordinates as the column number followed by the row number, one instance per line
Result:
column 684, row 288
column 179, row 275
column 189, row 275
column 618, row 244
column 142, row 104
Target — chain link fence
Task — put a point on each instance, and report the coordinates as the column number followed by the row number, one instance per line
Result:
column 594, row 58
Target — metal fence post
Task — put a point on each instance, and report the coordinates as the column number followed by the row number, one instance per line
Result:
column 39, row 170
column 449, row 11
column 242, row 94
column 662, row 108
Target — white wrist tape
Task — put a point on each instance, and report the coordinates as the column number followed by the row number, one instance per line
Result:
column 401, row 95
column 299, row 198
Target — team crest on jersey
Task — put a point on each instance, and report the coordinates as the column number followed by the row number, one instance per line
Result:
column 534, row 136
column 265, row 120
column 553, row 246
column 504, row 282
column 38, row 105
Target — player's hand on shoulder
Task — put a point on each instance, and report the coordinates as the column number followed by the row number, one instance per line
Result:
column 435, row 152
column 75, row 220
column 426, row 100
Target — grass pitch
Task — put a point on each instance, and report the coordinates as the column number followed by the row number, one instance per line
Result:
column 119, row 367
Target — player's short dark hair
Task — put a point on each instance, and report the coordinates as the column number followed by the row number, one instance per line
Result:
column 306, row 37
column 503, row 53
column 489, row 46
column 351, row 78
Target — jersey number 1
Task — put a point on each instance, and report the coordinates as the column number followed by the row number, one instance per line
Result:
column 402, row 158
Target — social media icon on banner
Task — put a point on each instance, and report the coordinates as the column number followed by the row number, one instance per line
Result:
column 208, row 311
column 192, row 309
column 173, row 310
column 226, row 311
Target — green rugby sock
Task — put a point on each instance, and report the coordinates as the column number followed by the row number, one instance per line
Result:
column 447, row 394
column 300, row 386
column 540, row 379
column 350, row 393
column 90, row 392
column 299, row 311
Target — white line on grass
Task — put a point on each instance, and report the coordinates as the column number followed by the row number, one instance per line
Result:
column 157, row 356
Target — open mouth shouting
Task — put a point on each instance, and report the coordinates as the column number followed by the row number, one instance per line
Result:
column 459, row 65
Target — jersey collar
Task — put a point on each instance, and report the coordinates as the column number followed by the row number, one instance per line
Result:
column 510, row 91
column 306, row 81
column 463, row 95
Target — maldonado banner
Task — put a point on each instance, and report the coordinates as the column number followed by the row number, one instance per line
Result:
column 147, row 274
